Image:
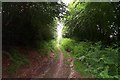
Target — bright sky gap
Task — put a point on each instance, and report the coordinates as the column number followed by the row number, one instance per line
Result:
column 59, row 31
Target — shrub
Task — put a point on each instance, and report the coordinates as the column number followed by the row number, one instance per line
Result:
column 99, row 61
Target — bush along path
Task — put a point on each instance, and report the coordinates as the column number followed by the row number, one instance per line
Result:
column 87, row 33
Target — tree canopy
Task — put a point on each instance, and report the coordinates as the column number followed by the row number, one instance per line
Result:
column 29, row 22
column 93, row 21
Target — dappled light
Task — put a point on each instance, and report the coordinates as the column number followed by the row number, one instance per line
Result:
column 64, row 39
column 67, row 2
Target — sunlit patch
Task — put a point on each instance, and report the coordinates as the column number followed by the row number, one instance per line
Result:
column 66, row 1
column 59, row 31
column 111, row 36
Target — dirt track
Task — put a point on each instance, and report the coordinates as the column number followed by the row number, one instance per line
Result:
column 46, row 67
column 59, row 70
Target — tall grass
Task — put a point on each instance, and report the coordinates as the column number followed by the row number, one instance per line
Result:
column 93, row 59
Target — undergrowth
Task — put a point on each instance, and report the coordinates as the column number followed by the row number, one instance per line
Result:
column 46, row 47
column 93, row 59
column 17, row 60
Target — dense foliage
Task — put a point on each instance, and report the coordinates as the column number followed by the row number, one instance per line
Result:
column 28, row 25
column 93, row 21
column 30, row 22
column 87, row 27
column 93, row 24
column 93, row 59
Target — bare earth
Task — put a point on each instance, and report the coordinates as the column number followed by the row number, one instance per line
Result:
column 44, row 67
column 60, row 70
